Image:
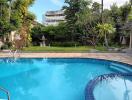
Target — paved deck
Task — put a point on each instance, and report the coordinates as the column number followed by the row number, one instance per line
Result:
column 121, row 57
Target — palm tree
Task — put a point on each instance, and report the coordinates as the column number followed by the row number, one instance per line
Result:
column 104, row 30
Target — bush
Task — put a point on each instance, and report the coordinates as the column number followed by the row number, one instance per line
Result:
column 65, row 44
column 5, row 46
column 9, row 44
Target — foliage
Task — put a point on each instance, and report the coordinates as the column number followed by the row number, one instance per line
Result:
column 4, row 18
column 14, row 16
column 7, row 45
column 104, row 30
column 26, row 17
column 83, row 23
column 39, row 29
column 87, row 20
column 125, row 10
column 4, row 27
column 72, row 8
column 36, row 34
column 130, row 16
column 51, row 33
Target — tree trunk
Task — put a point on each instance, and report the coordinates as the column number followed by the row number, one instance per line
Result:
column 106, row 41
column 130, row 44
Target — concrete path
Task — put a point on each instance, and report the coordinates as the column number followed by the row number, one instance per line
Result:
column 121, row 57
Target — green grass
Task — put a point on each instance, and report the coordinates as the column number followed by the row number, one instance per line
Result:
column 62, row 49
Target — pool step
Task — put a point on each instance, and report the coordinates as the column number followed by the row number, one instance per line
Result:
column 120, row 68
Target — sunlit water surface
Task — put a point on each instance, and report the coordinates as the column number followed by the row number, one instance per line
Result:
column 50, row 79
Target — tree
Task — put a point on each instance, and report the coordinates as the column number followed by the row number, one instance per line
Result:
column 24, row 31
column 115, row 14
column 71, row 10
column 21, row 8
column 102, row 9
column 128, row 27
column 96, row 12
column 104, row 30
column 96, row 8
column 125, row 10
column 4, row 17
column 128, row 21
column 14, row 15
column 130, row 24
column 88, row 18
column 36, row 33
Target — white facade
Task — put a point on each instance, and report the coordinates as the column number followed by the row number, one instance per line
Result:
column 53, row 17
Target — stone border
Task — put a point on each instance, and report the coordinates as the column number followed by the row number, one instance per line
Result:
column 92, row 84
column 120, row 57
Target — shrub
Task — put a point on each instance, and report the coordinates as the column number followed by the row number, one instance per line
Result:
column 5, row 46
column 9, row 44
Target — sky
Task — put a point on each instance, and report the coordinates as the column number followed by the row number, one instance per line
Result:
column 41, row 6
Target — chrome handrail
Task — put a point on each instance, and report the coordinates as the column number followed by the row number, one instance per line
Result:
column 6, row 91
column 13, row 55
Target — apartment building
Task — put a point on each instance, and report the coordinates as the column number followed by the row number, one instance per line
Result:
column 53, row 17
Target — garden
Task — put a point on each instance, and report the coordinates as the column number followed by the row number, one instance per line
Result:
column 88, row 26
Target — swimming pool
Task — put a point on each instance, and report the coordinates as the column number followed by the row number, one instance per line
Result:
column 53, row 78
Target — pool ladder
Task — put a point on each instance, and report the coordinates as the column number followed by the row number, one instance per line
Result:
column 13, row 56
column 5, row 91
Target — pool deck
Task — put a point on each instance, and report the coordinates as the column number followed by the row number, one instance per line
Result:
column 121, row 57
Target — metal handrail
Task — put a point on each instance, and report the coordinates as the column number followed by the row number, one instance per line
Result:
column 6, row 91
column 13, row 54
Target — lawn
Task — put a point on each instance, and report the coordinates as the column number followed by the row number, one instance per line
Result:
column 62, row 49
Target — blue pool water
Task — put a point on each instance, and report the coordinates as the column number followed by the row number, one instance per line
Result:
column 52, row 79
column 119, row 88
